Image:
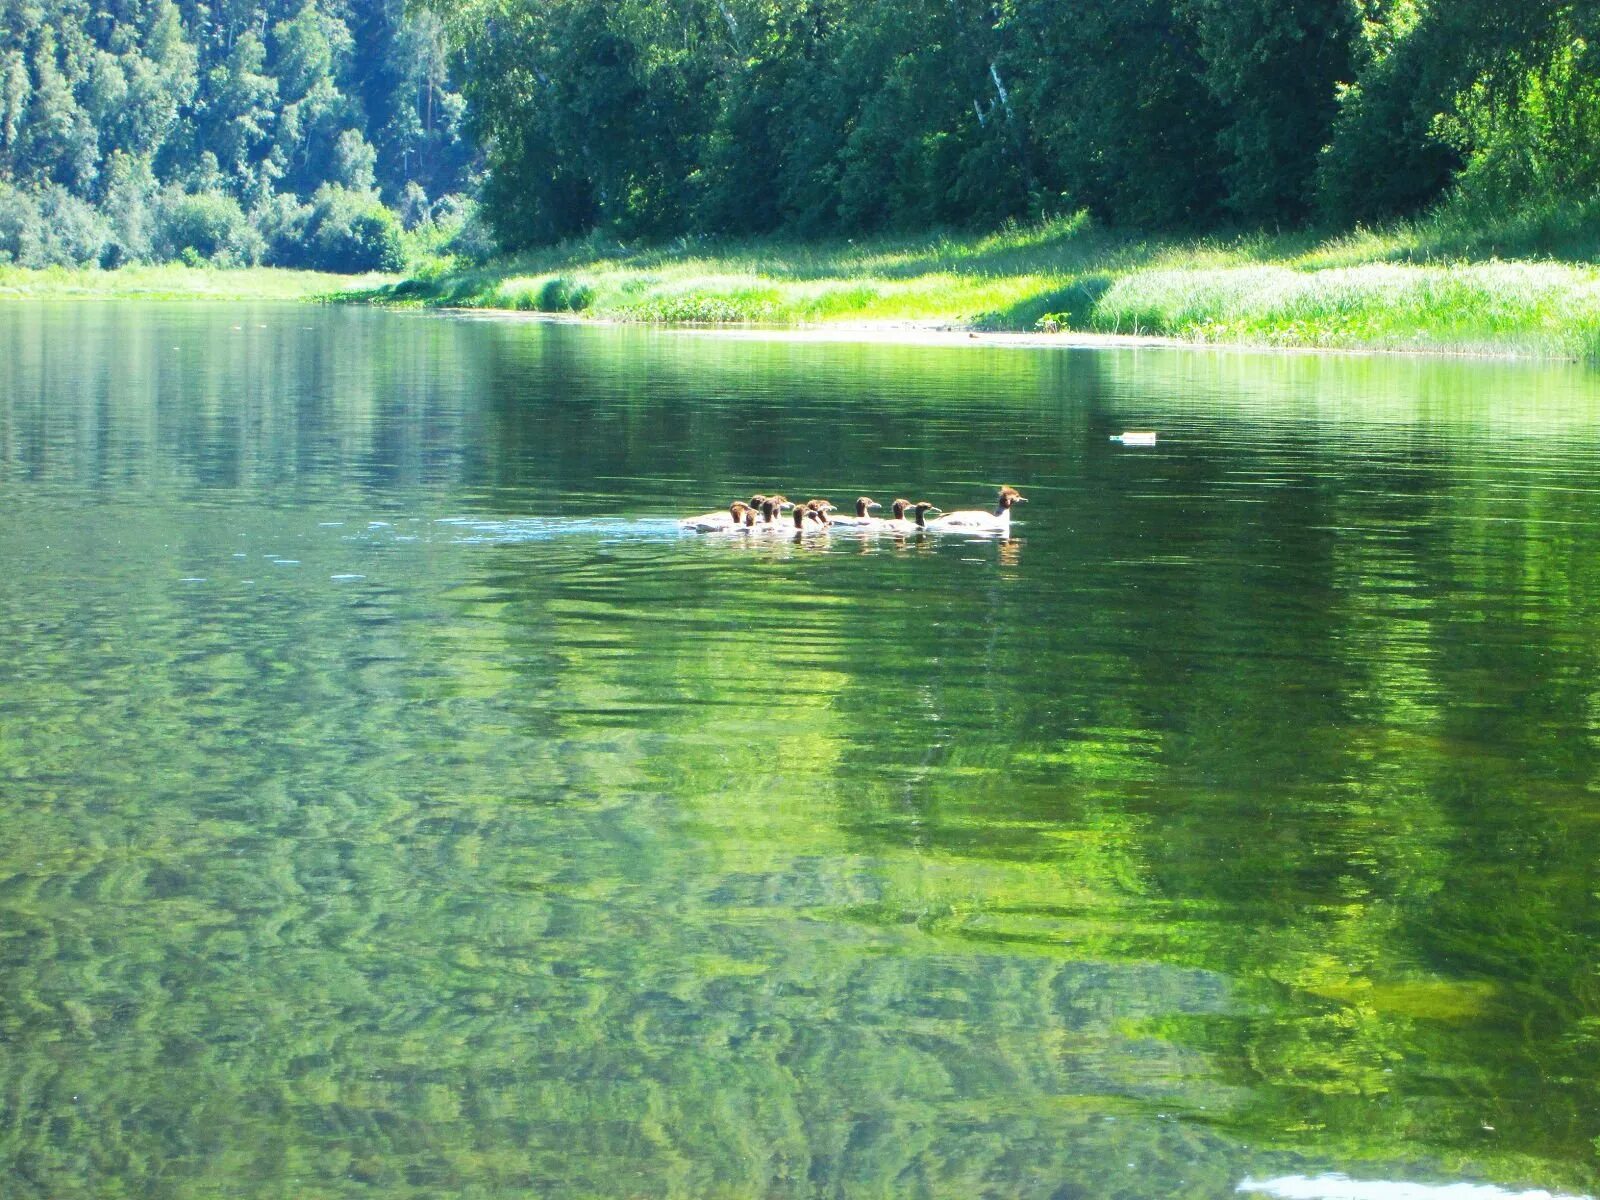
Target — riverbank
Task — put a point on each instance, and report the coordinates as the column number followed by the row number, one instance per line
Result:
column 177, row 282
column 1423, row 287
column 1436, row 286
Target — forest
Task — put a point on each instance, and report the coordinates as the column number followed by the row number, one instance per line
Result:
column 295, row 133
column 742, row 117
column 360, row 134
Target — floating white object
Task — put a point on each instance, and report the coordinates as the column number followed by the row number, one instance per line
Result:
column 1136, row 437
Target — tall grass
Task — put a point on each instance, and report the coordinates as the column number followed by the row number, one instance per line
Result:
column 1541, row 308
column 1459, row 280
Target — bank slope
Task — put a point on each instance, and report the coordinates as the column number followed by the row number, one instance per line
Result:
column 1407, row 289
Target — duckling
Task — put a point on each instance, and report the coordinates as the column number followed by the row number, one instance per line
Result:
column 745, row 523
column 769, row 522
column 809, row 520
column 712, row 522
column 978, row 521
column 822, row 508
column 889, row 524
column 725, row 518
column 863, row 517
column 918, row 523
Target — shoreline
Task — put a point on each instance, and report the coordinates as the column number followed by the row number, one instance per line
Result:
column 1558, row 317
column 943, row 335
column 168, row 283
column 1058, row 284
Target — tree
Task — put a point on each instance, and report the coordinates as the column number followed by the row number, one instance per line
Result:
column 238, row 106
column 1116, row 96
column 15, row 89
column 1275, row 70
column 353, row 160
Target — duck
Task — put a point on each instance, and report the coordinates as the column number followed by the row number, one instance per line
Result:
column 822, row 508
column 745, row 523
column 976, row 520
column 769, row 522
column 713, row 522
column 725, row 518
column 863, row 517
column 889, row 524
column 809, row 520
column 918, row 521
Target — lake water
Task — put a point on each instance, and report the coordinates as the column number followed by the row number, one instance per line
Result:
column 395, row 804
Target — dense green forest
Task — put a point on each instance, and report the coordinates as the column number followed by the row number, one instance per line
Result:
column 305, row 133
column 352, row 134
column 737, row 117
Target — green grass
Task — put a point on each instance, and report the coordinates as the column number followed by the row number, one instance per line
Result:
column 174, row 282
column 1452, row 282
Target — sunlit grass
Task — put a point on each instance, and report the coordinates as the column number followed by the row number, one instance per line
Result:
column 1451, row 282
column 1532, row 307
column 176, row 282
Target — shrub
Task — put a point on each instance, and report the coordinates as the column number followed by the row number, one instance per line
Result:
column 352, row 231
column 52, row 228
column 129, row 207
column 413, row 206
column 20, row 231
column 75, row 232
column 206, row 227
column 563, row 295
column 283, row 222
column 473, row 238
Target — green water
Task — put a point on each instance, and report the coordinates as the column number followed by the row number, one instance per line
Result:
column 395, row 805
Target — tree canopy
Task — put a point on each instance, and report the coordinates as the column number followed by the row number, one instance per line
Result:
column 753, row 116
column 260, row 130
column 298, row 132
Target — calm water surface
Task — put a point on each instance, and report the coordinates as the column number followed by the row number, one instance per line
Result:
column 396, row 805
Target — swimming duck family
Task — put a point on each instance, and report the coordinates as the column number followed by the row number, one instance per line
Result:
column 761, row 514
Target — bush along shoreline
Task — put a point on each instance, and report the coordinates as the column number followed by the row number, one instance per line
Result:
column 1417, row 287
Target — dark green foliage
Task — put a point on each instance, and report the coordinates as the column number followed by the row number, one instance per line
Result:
column 50, row 228
column 282, row 222
column 129, row 205
column 1122, row 112
column 652, row 119
column 562, row 295
column 349, row 230
column 1272, row 69
column 206, row 226
column 234, row 114
column 749, row 116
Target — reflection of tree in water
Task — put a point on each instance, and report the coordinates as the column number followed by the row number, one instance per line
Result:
column 1201, row 830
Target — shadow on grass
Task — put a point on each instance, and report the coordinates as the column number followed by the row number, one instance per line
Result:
column 1070, row 307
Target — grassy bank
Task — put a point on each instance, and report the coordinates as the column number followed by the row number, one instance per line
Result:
column 1449, row 283
column 174, row 282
